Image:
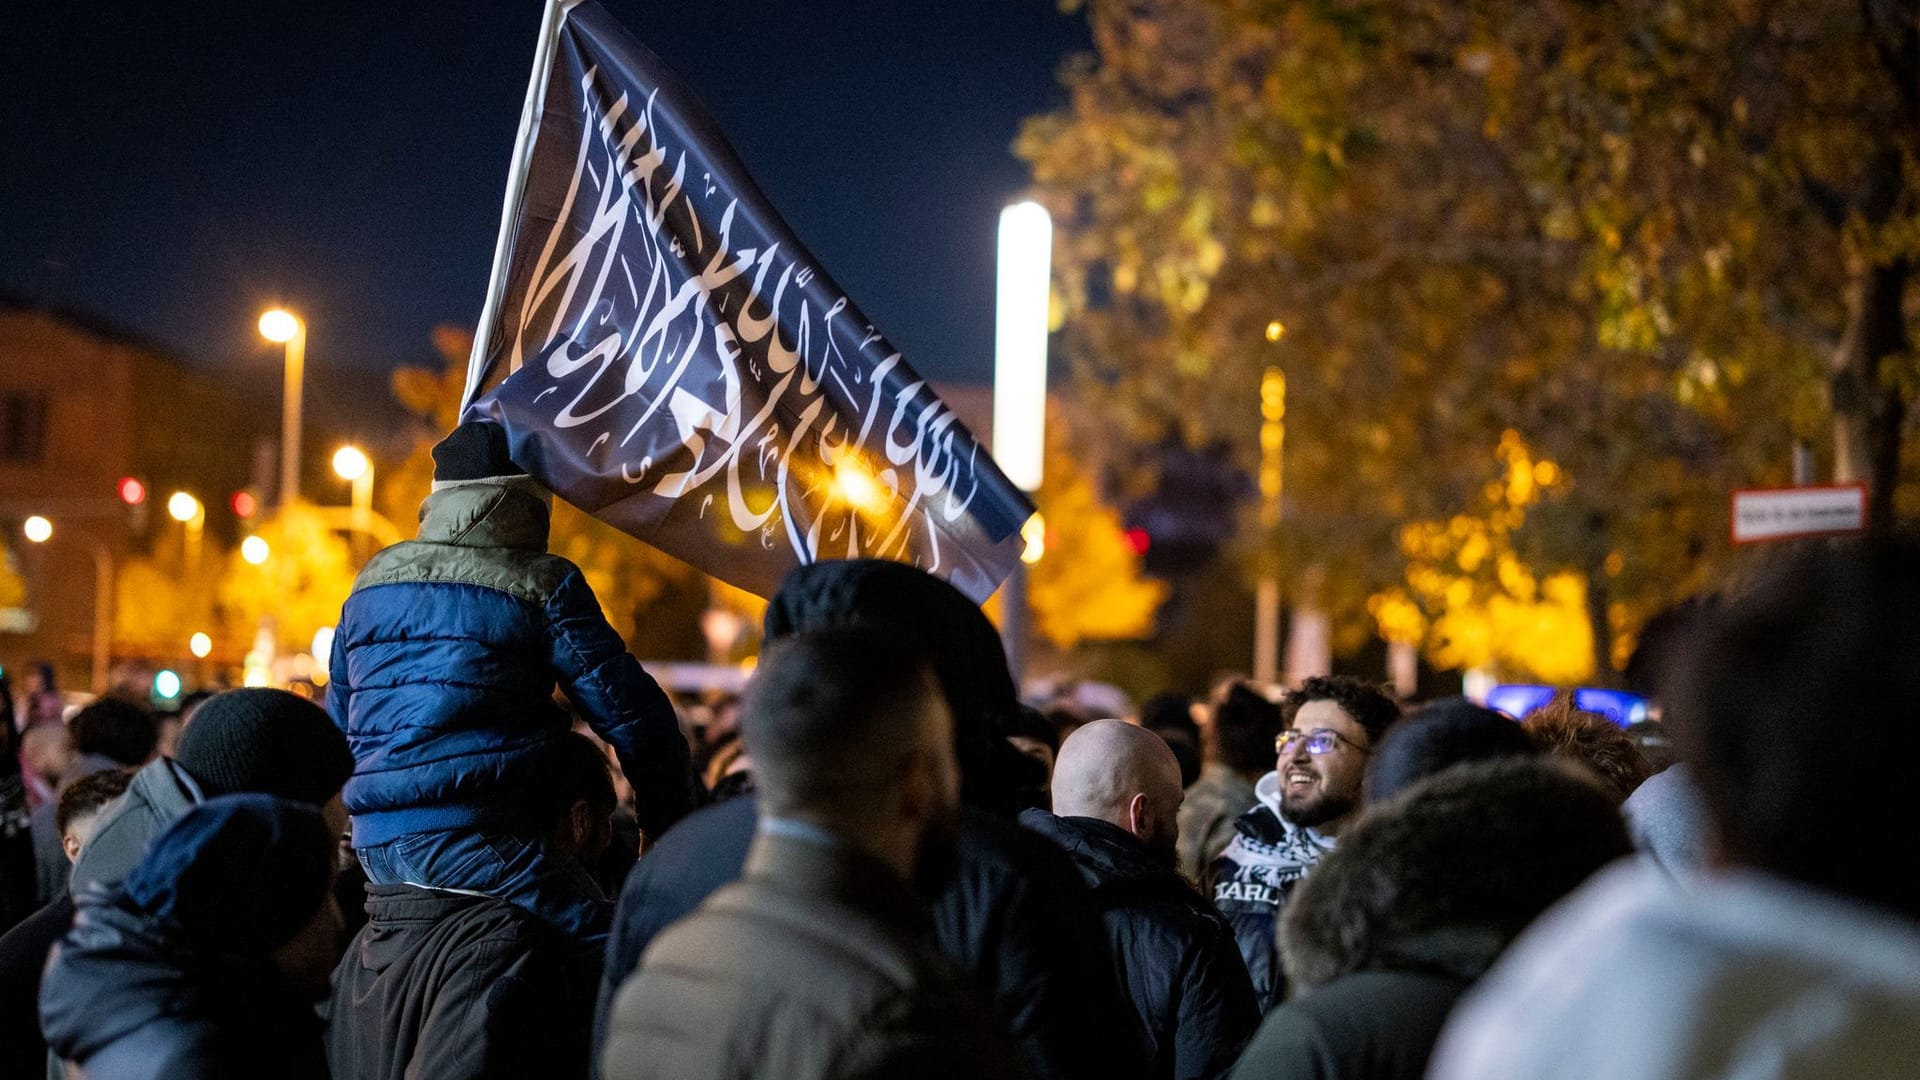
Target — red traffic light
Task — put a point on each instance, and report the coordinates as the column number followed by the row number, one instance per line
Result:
column 131, row 491
column 1139, row 540
column 244, row 504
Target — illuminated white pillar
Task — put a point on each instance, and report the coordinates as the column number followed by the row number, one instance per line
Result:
column 1020, row 383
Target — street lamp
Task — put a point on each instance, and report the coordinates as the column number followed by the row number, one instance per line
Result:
column 352, row 464
column 39, row 530
column 1020, row 385
column 1273, row 434
column 191, row 512
column 255, row 550
column 284, row 327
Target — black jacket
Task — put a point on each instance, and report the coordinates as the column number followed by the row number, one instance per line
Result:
column 1369, row 1025
column 127, row 1001
column 446, row 985
column 23, row 956
column 1174, row 951
column 1013, row 915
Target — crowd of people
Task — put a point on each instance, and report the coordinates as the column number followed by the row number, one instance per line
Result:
column 500, row 850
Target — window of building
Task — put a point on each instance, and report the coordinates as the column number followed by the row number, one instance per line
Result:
column 23, row 428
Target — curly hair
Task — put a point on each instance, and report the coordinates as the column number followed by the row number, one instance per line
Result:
column 1589, row 738
column 1358, row 698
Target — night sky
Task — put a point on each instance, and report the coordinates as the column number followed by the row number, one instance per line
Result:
column 177, row 167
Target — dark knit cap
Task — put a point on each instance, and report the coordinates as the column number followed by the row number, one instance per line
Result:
column 938, row 621
column 239, row 875
column 476, row 450
column 267, row 741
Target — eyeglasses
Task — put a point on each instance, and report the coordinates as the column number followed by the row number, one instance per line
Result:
column 1319, row 741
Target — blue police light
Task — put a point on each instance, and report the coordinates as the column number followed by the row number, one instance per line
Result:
column 1517, row 700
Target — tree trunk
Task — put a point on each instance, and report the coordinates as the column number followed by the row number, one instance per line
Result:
column 1599, row 600
column 1868, row 412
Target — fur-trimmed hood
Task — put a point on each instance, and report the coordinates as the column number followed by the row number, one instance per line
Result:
column 1443, row 876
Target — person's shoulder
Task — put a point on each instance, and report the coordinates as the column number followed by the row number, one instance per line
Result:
column 996, row 848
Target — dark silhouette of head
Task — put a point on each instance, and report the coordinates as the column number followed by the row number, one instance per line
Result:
column 1440, row 735
column 1796, row 708
column 848, row 729
column 936, row 621
column 116, row 729
column 1244, row 726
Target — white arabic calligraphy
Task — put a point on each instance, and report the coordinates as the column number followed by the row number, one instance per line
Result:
column 715, row 362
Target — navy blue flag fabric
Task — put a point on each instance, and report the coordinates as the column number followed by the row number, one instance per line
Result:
column 666, row 356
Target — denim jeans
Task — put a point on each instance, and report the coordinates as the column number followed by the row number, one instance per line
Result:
column 526, row 873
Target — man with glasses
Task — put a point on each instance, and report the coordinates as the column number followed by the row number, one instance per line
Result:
column 1331, row 726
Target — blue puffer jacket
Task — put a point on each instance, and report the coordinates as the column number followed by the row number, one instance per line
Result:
column 444, row 665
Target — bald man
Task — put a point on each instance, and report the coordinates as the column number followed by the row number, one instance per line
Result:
column 1116, row 801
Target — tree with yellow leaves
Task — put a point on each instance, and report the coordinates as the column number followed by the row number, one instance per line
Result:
column 1470, row 601
column 1087, row 586
column 300, row 586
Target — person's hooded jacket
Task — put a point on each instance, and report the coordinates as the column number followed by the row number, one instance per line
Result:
column 1012, row 913
column 1426, row 890
column 1254, row 876
column 444, row 666
column 172, row 975
column 447, row 985
column 1174, row 952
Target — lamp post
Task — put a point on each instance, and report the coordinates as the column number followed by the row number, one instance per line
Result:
column 284, row 327
column 39, row 530
column 192, row 513
column 1020, row 388
column 352, row 464
column 1273, row 434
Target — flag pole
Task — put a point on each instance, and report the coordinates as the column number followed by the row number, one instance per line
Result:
column 550, row 22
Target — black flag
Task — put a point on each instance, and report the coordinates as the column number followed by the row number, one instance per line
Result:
column 667, row 357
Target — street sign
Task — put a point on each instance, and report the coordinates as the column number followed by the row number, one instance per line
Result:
column 1789, row 513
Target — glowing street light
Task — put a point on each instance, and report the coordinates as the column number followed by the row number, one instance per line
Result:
column 200, row 645
column 858, row 487
column 39, row 530
column 285, row 328
column 192, row 513
column 279, row 326
column 352, row 463
column 255, row 550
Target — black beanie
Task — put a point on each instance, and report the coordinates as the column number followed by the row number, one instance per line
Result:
column 476, row 450
column 239, row 875
column 963, row 648
column 266, row 741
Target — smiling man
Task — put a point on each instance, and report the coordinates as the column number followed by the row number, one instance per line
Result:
column 1331, row 726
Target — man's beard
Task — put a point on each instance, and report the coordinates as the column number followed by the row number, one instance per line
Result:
column 1318, row 809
